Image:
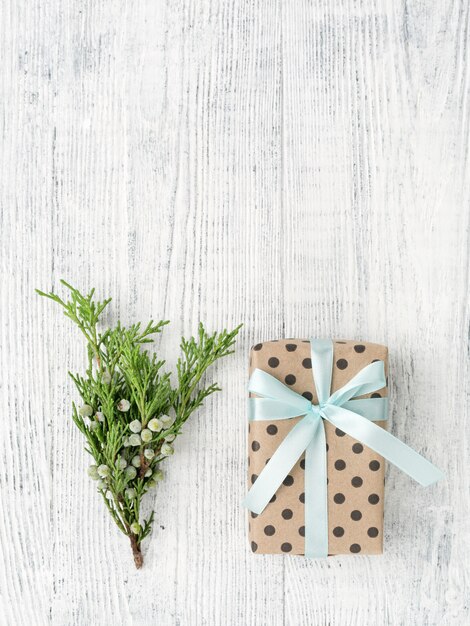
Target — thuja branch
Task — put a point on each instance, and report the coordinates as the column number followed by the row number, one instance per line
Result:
column 131, row 411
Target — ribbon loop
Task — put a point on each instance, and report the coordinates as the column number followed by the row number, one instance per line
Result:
column 370, row 378
column 264, row 385
column 353, row 415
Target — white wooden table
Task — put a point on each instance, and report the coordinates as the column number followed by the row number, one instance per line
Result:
column 301, row 167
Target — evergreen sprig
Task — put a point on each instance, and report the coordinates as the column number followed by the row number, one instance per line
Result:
column 130, row 412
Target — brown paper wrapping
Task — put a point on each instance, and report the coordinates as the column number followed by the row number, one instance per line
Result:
column 355, row 473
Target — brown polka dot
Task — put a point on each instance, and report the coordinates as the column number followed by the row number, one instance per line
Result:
column 254, row 515
column 258, row 346
column 356, row 481
column 273, row 362
column 302, row 531
column 287, row 514
column 273, row 499
column 286, row 547
column 339, row 432
column 339, row 498
column 373, row 532
column 291, row 347
column 327, row 447
column 302, row 498
column 373, row 498
column 357, row 448
column 307, row 363
column 374, row 466
column 375, row 395
column 255, row 446
column 271, row 429
column 269, row 530
column 338, row 531
column 302, row 464
column 254, row 477
column 356, row 515
column 355, row 548
column 308, row 395
column 340, row 465
column 267, row 461
column 254, row 546
column 288, row 481
column 359, row 348
column 290, row 379
column 341, row 364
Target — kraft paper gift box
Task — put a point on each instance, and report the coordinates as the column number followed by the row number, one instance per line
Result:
column 355, row 485
column 327, row 399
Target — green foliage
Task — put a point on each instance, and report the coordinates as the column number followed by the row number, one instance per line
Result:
column 131, row 412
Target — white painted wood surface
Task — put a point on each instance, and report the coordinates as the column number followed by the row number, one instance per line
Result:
column 299, row 166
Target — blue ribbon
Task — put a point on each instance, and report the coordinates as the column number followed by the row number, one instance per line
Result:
column 353, row 416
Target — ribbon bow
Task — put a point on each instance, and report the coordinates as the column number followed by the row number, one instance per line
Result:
column 353, row 416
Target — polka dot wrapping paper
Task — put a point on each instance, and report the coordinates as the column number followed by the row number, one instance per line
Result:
column 355, row 473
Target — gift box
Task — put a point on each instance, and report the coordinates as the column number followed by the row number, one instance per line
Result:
column 298, row 454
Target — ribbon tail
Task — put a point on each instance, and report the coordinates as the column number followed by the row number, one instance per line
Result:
column 385, row 444
column 316, row 499
column 282, row 461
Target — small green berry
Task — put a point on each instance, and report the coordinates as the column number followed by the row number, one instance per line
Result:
column 146, row 435
column 149, row 453
column 155, row 425
column 124, row 405
column 170, row 438
column 135, row 426
column 126, row 442
column 94, row 425
column 121, row 463
column 136, row 460
column 167, row 449
column 148, row 473
column 135, row 527
column 101, row 484
column 93, row 472
column 130, row 494
column 158, row 475
column 135, row 440
column 103, row 471
column 99, row 416
column 86, row 410
column 130, row 472
column 106, row 377
column 167, row 420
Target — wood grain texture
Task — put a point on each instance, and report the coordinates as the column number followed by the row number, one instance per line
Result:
column 299, row 166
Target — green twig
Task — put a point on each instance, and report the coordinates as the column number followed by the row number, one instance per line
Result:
column 131, row 412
